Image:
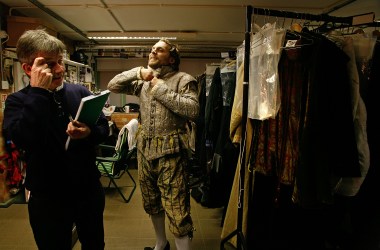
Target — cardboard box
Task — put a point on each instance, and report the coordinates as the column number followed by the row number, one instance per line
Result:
column 16, row 25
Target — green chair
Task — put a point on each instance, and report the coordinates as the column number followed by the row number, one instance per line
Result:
column 117, row 164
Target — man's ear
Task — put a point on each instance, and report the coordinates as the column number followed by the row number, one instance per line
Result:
column 171, row 60
column 27, row 68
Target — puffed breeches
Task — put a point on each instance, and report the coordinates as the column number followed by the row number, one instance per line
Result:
column 164, row 187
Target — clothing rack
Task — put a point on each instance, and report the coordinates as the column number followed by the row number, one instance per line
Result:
column 330, row 22
column 344, row 21
column 302, row 16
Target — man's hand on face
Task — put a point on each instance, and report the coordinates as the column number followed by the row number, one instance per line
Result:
column 40, row 75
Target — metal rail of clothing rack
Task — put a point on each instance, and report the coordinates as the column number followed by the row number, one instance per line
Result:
column 337, row 23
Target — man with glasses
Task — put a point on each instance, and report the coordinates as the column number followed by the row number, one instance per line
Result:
column 168, row 100
column 64, row 184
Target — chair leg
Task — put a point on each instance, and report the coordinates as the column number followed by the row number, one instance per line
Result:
column 112, row 180
column 134, row 184
column 119, row 190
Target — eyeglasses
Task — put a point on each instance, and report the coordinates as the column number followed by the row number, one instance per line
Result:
column 57, row 97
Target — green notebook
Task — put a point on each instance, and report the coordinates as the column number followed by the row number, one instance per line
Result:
column 90, row 109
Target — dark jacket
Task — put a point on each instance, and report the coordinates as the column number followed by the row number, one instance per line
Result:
column 36, row 124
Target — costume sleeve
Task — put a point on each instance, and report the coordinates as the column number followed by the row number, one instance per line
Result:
column 128, row 82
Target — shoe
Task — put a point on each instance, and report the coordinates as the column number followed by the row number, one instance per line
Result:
column 167, row 247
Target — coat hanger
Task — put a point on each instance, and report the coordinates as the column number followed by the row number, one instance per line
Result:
column 295, row 40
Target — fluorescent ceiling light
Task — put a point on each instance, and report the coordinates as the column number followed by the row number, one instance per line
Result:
column 140, row 35
column 130, row 37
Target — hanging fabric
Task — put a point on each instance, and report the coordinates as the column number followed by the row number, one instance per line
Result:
column 318, row 138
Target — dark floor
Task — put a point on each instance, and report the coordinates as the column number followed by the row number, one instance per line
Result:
column 126, row 225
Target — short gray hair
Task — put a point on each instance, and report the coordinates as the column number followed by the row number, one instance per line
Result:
column 35, row 41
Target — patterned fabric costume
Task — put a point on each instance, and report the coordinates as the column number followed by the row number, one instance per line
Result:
column 163, row 141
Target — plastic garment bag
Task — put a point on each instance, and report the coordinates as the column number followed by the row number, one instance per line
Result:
column 263, row 95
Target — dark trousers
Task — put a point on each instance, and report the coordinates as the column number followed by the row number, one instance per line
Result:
column 52, row 220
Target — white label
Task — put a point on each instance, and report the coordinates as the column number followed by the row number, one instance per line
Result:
column 291, row 43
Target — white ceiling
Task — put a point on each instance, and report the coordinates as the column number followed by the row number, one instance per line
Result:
column 199, row 22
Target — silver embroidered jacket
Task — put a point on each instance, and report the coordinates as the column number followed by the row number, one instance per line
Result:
column 164, row 109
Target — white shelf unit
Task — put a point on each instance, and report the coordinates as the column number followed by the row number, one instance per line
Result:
column 79, row 73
